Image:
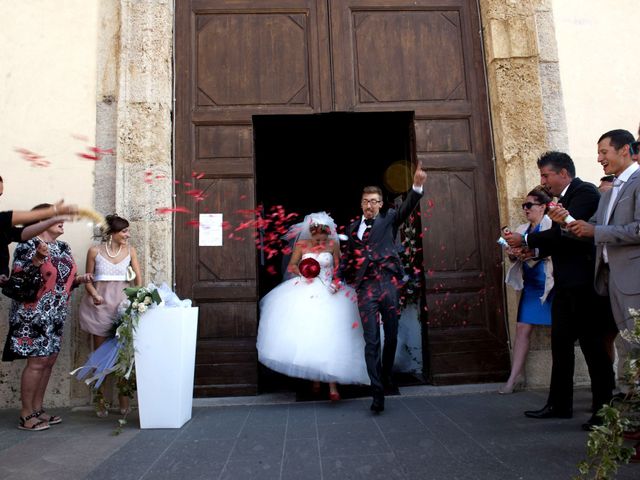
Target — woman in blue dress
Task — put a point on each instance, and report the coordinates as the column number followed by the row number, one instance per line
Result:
column 532, row 276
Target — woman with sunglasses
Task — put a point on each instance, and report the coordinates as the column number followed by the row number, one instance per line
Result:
column 534, row 277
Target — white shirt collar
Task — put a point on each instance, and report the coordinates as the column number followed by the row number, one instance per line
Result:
column 565, row 190
column 630, row 170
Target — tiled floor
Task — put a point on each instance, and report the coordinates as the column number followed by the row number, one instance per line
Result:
column 465, row 436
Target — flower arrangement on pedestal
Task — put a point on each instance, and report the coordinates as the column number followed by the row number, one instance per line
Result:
column 606, row 447
column 139, row 300
column 117, row 354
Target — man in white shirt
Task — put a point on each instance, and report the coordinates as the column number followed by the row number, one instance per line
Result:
column 371, row 265
column 615, row 229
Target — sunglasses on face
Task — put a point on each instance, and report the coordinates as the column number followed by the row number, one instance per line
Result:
column 373, row 203
column 529, row 205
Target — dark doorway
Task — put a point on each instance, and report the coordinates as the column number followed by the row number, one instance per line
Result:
column 310, row 163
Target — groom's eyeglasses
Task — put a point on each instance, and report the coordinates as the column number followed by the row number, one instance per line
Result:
column 373, row 202
column 528, row 205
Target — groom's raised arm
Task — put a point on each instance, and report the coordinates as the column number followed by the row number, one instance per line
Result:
column 413, row 196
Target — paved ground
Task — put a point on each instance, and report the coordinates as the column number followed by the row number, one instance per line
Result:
column 423, row 434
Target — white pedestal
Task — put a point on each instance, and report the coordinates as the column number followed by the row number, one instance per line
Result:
column 165, row 344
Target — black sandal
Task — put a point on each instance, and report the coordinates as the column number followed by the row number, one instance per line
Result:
column 52, row 420
column 36, row 427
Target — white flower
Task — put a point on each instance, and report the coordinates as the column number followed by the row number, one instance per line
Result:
column 134, row 304
column 147, row 300
column 142, row 308
column 123, row 307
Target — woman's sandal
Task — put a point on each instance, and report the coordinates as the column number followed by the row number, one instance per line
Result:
column 36, row 427
column 52, row 420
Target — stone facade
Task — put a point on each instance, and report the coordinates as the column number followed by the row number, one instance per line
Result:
column 525, row 98
column 134, row 115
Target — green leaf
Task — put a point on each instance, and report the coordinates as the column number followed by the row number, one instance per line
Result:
column 155, row 296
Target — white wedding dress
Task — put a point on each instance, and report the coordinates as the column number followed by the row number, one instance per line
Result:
column 306, row 331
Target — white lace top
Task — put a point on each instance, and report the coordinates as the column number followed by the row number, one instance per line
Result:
column 105, row 271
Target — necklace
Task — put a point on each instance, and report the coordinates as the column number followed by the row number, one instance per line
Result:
column 106, row 247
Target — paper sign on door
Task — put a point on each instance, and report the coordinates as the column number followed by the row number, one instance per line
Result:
column 210, row 230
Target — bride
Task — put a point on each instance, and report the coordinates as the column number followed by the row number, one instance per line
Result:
column 307, row 329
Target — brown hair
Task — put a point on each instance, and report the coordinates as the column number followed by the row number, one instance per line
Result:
column 40, row 206
column 114, row 224
column 372, row 189
column 541, row 196
column 319, row 228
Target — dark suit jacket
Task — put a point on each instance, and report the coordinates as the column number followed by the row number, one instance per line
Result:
column 573, row 259
column 381, row 246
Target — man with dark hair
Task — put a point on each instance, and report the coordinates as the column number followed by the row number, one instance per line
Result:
column 606, row 183
column 577, row 312
column 615, row 229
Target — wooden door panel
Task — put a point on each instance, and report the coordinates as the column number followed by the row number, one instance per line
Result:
column 235, row 261
column 252, row 55
column 228, row 320
column 235, row 59
column 452, row 195
column 398, row 52
column 267, row 64
column 400, row 56
column 443, row 135
column 425, row 56
column 223, row 142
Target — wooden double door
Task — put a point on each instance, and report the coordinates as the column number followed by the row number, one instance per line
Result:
column 237, row 60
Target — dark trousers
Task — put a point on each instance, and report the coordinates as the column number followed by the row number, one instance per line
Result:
column 378, row 294
column 579, row 314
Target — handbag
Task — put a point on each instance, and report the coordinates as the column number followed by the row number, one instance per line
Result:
column 23, row 286
column 131, row 275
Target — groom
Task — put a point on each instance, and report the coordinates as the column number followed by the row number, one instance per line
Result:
column 372, row 266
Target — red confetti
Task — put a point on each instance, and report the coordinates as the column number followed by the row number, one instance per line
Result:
column 175, row 210
column 35, row 159
column 101, row 151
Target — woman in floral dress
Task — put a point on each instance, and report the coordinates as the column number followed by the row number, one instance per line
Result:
column 35, row 328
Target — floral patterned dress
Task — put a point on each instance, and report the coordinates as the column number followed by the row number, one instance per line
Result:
column 35, row 329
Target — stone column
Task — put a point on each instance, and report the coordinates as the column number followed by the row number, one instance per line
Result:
column 528, row 119
column 134, row 104
column 552, row 101
column 144, row 131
